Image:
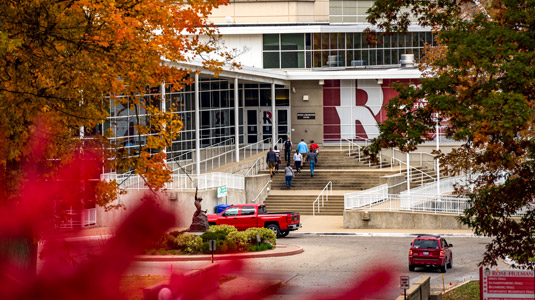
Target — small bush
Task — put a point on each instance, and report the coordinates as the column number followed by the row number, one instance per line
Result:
column 188, row 243
column 260, row 247
column 239, row 238
column 266, row 236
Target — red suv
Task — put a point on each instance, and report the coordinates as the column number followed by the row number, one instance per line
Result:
column 430, row 251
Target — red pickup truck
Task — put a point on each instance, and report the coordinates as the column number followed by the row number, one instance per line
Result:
column 244, row 216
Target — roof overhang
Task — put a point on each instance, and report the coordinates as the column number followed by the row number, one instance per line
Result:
column 285, row 77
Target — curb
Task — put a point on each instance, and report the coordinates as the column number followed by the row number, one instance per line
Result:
column 381, row 234
column 278, row 251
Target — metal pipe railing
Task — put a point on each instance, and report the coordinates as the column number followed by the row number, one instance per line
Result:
column 323, row 196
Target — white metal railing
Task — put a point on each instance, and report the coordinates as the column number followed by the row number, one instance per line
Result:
column 207, row 181
column 190, row 155
column 417, row 157
column 366, row 198
column 258, row 165
column 446, row 186
column 79, row 218
column 324, row 196
column 261, row 191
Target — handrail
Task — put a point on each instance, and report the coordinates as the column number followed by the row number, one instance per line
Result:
column 323, row 196
column 231, row 152
column 254, row 165
column 410, row 168
column 258, row 195
column 229, row 140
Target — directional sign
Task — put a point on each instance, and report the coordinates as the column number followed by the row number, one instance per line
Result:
column 404, row 282
column 221, row 191
column 212, row 245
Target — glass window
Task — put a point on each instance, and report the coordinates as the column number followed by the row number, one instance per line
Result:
column 271, row 42
column 271, row 60
column 265, row 97
column 425, row 244
column 232, row 211
column 292, row 59
column 247, row 210
column 294, row 41
column 262, row 209
column 251, row 97
column 282, row 97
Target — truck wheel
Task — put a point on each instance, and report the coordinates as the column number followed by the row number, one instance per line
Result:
column 275, row 228
column 411, row 267
column 285, row 233
column 450, row 264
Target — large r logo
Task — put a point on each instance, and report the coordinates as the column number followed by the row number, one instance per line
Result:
column 349, row 112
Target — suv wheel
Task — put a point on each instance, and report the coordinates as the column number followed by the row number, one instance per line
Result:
column 284, row 233
column 450, row 263
column 276, row 230
column 443, row 268
column 411, row 267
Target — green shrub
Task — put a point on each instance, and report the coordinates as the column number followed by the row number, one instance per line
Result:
column 266, row 236
column 222, row 229
column 260, row 247
column 239, row 238
column 188, row 243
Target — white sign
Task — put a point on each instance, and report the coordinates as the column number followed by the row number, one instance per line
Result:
column 221, row 191
column 212, row 245
column 404, row 282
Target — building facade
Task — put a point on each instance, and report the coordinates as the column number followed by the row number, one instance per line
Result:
column 307, row 73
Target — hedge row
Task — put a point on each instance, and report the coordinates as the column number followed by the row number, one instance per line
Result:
column 228, row 240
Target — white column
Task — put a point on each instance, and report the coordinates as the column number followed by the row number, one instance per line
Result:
column 408, row 174
column 273, row 116
column 438, row 161
column 197, row 127
column 163, row 109
column 236, row 120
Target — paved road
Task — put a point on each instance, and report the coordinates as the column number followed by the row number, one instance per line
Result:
column 332, row 263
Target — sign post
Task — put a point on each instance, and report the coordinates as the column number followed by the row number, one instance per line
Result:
column 212, row 248
column 404, row 284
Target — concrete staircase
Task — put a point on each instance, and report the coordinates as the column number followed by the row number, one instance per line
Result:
column 347, row 175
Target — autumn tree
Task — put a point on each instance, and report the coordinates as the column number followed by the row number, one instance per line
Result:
column 480, row 81
column 63, row 62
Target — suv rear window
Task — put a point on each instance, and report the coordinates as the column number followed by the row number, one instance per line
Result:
column 425, row 244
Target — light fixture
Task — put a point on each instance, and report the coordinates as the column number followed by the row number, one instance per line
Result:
column 293, row 89
column 228, row 19
column 321, row 82
column 305, row 97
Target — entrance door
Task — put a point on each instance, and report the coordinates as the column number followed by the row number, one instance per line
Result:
column 283, row 124
column 252, row 125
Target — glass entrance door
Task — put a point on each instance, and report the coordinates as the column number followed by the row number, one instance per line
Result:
column 252, row 126
column 283, row 124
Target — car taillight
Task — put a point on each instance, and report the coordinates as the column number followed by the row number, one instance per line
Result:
column 410, row 252
column 289, row 218
column 441, row 253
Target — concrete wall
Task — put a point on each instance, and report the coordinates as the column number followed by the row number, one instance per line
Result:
column 307, row 129
column 353, row 219
column 394, row 183
column 269, row 11
column 253, row 186
column 420, row 290
column 180, row 203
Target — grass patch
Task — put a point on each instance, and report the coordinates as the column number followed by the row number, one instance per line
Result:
column 469, row 291
column 131, row 287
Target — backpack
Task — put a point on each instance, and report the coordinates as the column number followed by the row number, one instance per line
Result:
column 287, row 144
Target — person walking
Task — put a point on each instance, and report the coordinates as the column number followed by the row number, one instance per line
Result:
column 287, row 150
column 312, row 158
column 298, row 158
column 289, row 175
column 303, row 149
column 316, row 149
column 278, row 153
column 271, row 160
